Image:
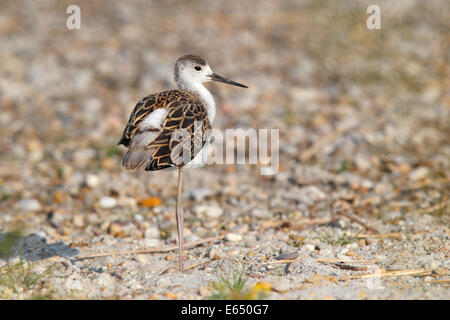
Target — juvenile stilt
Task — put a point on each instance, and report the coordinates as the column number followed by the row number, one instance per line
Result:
column 156, row 117
column 180, row 218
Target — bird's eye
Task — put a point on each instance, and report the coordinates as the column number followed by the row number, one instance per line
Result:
column 198, row 68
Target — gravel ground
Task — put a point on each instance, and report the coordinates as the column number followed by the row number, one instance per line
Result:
column 358, row 210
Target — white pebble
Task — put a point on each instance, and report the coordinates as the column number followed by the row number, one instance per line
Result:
column 107, row 202
column 152, row 233
column 92, row 181
column 30, row 205
column 210, row 211
column 308, row 247
column 419, row 173
column 233, row 237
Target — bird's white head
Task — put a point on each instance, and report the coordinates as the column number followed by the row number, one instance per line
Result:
column 191, row 71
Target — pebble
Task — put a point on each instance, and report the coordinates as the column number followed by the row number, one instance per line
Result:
column 287, row 256
column 427, row 261
column 340, row 223
column 30, row 205
column 163, row 282
column 198, row 194
column 116, row 230
column 152, row 233
column 107, row 202
column 308, row 247
column 142, row 258
column 191, row 238
column 352, row 245
column 127, row 202
column 260, row 213
column 280, row 284
column 215, row 253
column 92, row 181
column 326, row 251
column 232, row 252
column 78, row 221
column 233, row 237
column 419, row 173
column 150, row 242
column 213, row 212
column 309, row 195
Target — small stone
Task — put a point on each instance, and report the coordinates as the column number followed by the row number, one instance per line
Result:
column 127, row 202
column 116, row 230
column 287, row 256
column 151, row 242
column 260, row 213
column 163, row 282
column 280, row 284
column 170, row 257
column 107, row 202
column 215, row 254
column 232, row 252
column 78, row 221
column 30, row 205
column 83, row 156
column 191, row 238
column 427, row 261
column 92, row 181
column 150, row 202
column 59, row 197
column 213, row 212
column 285, row 249
column 142, row 258
column 198, row 194
column 362, row 242
column 308, row 247
column 240, row 228
column 325, row 252
column 204, row 291
column 233, row 237
column 152, row 233
column 309, row 195
column 340, row 223
column 419, row 173
column 352, row 245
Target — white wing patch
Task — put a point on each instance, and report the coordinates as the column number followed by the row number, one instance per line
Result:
column 154, row 120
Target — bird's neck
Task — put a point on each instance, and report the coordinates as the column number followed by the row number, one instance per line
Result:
column 205, row 96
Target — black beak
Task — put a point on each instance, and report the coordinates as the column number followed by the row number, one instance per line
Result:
column 216, row 77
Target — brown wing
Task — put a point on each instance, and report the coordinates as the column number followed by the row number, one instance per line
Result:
column 157, row 149
column 144, row 108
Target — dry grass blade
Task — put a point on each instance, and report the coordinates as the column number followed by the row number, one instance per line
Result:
column 327, row 261
column 427, row 183
column 395, row 273
column 143, row 251
column 383, row 235
column 194, row 265
column 354, row 218
column 443, row 281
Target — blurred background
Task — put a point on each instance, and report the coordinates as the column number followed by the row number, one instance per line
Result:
column 363, row 114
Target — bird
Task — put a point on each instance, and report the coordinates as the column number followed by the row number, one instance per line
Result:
column 152, row 131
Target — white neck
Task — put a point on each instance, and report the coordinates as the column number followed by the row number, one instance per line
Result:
column 205, row 96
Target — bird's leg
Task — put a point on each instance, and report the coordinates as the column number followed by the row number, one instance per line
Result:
column 180, row 218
